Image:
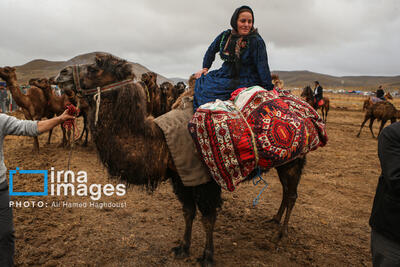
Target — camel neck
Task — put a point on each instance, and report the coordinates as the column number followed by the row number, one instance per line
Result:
column 16, row 93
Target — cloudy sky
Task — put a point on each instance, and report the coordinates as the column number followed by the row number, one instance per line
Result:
column 336, row 37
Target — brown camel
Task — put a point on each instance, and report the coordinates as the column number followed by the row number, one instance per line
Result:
column 383, row 111
column 369, row 101
column 154, row 95
column 308, row 96
column 133, row 148
column 56, row 104
column 168, row 96
column 33, row 103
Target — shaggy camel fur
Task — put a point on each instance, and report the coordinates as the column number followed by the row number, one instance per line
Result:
column 383, row 111
column 33, row 103
column 133, row 148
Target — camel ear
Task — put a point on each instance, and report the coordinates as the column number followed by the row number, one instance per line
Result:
column 13, row 69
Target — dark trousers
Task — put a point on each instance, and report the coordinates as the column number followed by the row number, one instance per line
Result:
column 385, row 252
column 6, row 228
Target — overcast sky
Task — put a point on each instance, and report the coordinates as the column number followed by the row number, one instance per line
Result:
column 336, row 37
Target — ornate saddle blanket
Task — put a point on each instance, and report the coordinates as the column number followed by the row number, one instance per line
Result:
column 180, row 144
column 256, row 128
column 375, row 99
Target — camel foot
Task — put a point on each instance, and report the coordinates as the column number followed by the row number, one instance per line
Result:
column 205, row 262
column 274, row 220
column 280, row 235
column 181, row 252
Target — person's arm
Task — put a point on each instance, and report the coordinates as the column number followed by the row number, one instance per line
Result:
column 46, row 125
column 209, row 56
column 389, row 156
column 10, row 125
column 261, row 62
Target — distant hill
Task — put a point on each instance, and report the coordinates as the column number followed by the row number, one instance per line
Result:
column 39, row 68
column 302, row 78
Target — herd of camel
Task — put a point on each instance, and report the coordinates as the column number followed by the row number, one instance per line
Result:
column 40, row 101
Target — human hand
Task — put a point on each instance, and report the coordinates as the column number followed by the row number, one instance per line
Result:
column 65, row 116
column 200, row 72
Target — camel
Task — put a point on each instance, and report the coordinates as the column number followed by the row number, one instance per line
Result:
column 33, row 103
column 168, row 96
column 308, row 95
column 56, row 104
column 383, row 111
column 133, row 148
column 153, row 93
column 372, row 100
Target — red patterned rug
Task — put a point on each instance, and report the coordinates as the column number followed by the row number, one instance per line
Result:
column 257, row 128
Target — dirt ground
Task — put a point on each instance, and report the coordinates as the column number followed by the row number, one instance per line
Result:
column 328, row 227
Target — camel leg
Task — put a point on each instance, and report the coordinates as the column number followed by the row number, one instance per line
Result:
column 371, row 123
column 85, row 128
column 185, row 196
column 64, row 138
column 208, row 199
column 290, row 173
column 49, row 138
column 278, row 217
column 382, row 125
column 362, row 125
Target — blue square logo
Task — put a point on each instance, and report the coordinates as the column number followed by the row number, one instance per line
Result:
column 45, row 190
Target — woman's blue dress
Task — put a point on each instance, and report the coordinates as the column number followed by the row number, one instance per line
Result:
column 217, row 84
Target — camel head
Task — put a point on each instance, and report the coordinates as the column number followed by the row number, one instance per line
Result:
column 41, row 83
column 8, row 74
column 388, row 96
column 150, row 79
column 105, row 70
column 166, row 88
column 180, row 87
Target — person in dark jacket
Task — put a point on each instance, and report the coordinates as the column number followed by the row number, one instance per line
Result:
column 318, row 94
column 245, row 61
column 380, row 93
column 385, row 215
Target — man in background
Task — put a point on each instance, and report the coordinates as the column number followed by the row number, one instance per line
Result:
column 318, row 91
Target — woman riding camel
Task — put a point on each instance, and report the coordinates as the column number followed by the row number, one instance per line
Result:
column 245, row 61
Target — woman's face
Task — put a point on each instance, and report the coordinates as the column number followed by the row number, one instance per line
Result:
column 245, row 23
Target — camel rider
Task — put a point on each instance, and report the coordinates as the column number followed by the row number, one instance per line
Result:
column 380, row 93
column 317, row 94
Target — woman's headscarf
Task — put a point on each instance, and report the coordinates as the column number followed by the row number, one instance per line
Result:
column 236, row 14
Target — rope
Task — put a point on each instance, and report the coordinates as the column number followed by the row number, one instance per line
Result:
column 71, row 123
column 258, row 175
column 97, row 98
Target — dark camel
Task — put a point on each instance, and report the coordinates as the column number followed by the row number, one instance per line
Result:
column 133, row 147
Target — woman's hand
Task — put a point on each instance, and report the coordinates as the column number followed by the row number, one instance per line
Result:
column 200, row 72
